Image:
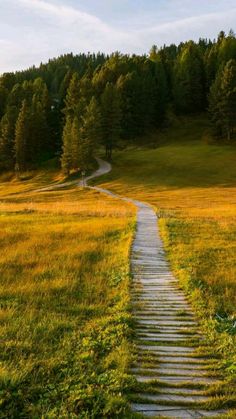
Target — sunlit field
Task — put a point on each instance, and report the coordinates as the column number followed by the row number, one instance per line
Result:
column 193, row 187
column 65, row 322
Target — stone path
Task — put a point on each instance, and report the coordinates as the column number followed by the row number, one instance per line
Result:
column 167, row 332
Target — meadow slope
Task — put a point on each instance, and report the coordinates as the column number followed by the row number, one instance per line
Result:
column 65, row 321
column 192, row 185
column 66, row 325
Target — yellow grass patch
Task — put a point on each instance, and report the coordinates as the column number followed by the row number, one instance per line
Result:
column 64, row 281
column 193, row 187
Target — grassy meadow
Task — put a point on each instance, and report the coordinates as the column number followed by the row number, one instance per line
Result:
column 65, row 319
column 64, row 289
column 192, row 184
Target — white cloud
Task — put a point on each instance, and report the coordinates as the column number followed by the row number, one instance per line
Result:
column 66, row 14
column 71, row 28
column 203, row 21
column 32, row 31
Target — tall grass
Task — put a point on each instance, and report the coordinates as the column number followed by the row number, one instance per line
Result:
column 65, row 322
column 193, row 187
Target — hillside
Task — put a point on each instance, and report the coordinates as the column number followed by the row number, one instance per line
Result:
column 65, row 335
column 68, row 332
column 74, row 105
column 192, row 185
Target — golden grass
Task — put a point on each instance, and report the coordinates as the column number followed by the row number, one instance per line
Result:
column 193, row 187
column 64, row 262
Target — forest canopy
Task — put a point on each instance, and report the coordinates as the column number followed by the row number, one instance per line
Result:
column 75, row 103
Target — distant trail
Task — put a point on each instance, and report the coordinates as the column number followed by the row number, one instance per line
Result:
column 167, row 332
column 104, row 167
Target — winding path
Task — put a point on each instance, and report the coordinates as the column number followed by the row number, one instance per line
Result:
column 172, row 375
column 167, row 332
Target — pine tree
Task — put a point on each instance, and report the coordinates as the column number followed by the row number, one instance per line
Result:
column 228, row 98
column 73, row 97
column 76, row 146
column 223, row 101
column 3, row 100
column 211, row 66
column 16, row 96
column 161, row 92
column 214, row 107
column 227, row 50
column 66, row 159
column 86, row 89
column 128, row 87
column 189, row 80
column 40, row 93
column 38, row 129
column 85, row 136
column 22, row 137
column 92, row 125
column 111, row 118
column 7, row 137
column 153, row 54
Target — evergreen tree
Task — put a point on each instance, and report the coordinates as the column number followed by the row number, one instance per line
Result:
column 40, row 91
column 77, row 159
column 92, row 128
column 3, row 100
column 16, row 96
column 214, row 107
column 189, row 80
column 223, row 100
column 111, row 118
column 22, row 137
column 228, row 100
column 65, row 85
column 72, row 97
column 162, row 96
column 66, row 159
column 127, row 86
column 7, row 137
column 85, row 136
column 86, row 89
column 227, row 50
column 211, row 66
column 153, row 54
column 149, row 97
column 38, row 129
column 8, row 80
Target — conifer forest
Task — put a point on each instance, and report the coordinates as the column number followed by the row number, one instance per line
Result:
column 75, row 103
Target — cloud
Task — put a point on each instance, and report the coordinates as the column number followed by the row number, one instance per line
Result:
column 32, row 31
column 205, row 26
column 71, row 28
column 195, row 21
column 66, row 14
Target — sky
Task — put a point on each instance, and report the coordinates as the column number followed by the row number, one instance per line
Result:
column 32, row 31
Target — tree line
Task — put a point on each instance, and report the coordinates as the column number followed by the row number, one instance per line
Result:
column 74, row 104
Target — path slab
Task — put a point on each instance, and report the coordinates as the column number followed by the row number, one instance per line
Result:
column 168, row 397
column 177, row 412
